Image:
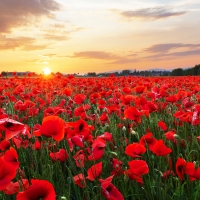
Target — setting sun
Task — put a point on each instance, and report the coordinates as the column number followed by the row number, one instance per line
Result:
column 46, row 71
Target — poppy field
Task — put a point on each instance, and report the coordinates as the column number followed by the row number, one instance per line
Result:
column 112, row 138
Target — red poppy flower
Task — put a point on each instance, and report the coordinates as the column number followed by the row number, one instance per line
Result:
column 79, row 180
column 180, row 168
column 53, row 126
column 40, row 189
column 94, row 171
column 140, row 89
column 67, row 92
column 106, row 136
column 135, row 150
column 79, row 127
column 117, row 167
column 80, row 110
column 98, row 147
column 109, row 191
column 194, row 174
column 160, row 149
column 7, row 173
column 149, row 140
column 171, row 99
column 78, row 140
column 127, row 90
column 132, row 113
column 14, row 188
column 79, row 98
column 11, row 157
column 37, row 145
column 80, row 158
column 162, row 125
column 11, row 127
column 4, row 144
column 138, row 167
column 60, row 155
column 170, row 135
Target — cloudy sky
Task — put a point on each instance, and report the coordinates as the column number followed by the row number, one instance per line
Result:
column 86, row 35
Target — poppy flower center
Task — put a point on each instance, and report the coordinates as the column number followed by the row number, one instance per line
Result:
column 8, row 125
column 81, row 127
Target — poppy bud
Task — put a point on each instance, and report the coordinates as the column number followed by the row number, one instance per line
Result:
column 177, row 136
column 123, row 128
column 106, row 125
column 159, row 172
column 132, row 132
column 113, row 153
column 63, row 198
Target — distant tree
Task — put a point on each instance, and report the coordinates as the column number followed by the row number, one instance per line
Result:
column 177, row 72
column 199, row 71
column 125, row 72
column 92, row 74
column 196, row 69
column 4, row 73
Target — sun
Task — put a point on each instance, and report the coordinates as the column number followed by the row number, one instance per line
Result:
column 46, row 71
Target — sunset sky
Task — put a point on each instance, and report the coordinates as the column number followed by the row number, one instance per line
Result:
column 80, row 36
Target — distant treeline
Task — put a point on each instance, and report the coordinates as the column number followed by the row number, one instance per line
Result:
column 185, row 72
column 127, row 72
column 193, row 71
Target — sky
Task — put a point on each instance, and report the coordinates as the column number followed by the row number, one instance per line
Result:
column 83, row 36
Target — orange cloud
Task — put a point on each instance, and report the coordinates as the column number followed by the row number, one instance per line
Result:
column 162, row 52
column 24, row 43
column 95, row 55
column 21, row 13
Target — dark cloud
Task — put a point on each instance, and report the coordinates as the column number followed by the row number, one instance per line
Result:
column 23, row 43
column 17, row 13
column 95, row 55
column 151, row 13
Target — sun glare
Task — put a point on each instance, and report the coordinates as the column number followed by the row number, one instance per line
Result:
column 46, row 71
